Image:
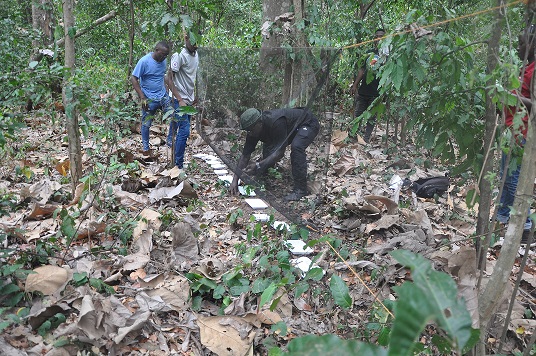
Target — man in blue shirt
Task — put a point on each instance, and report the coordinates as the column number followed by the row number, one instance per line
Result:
column 148, row 81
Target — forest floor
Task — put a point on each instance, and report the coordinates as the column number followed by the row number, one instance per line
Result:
column 148, row 260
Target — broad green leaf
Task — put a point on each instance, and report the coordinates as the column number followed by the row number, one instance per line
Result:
column 3, row 325
column 6, row 271
column 219, row 291
column 13, row 300
column 237, row 290
column 331, row 345
column 186, row 21
column 62, row 341
column 80, row 278
column 268, row 293
column 383, row 337
column 340, row 292
column 260, row 285
column 432, row 296
column 300, row 288
column 44, row 328
column 8, row 289
column 33, row 64
column 190, row 110
column 315, row 273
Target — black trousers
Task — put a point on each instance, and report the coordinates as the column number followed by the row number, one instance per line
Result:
column 362, row 104
column 303, row 137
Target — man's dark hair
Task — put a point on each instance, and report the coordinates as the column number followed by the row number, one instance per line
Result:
column 163, row 44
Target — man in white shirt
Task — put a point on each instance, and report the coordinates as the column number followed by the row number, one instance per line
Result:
column 181, row 82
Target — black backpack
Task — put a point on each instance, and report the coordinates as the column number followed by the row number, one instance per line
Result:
column 429, row 187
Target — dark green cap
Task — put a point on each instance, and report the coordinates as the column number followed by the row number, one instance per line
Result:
column 249, row 118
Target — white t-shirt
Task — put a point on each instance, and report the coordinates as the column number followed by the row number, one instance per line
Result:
column 184, row 66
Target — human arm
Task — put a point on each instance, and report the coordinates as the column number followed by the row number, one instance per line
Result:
column 171, row 86
column 242, row 163
column 256, row 168
column 137, row 88
column 357, row 81
column 276, row 137
column 527, row 102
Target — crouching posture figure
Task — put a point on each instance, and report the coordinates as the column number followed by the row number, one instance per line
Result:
column 277, row 129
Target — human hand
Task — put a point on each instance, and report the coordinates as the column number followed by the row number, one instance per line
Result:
column 233, row 188
column 251, row 169
column 144, row 105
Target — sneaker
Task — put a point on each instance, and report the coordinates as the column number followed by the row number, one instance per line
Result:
column 295, row 195
column 525, row 238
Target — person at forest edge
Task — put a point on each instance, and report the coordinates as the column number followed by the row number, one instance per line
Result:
column 367, row 91
column 181, row 80
column 277, row 129
column 525, row 51
column 148, row 81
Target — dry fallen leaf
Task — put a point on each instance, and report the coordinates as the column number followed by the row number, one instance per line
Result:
column 47, row 279
column 63, row 167
column 231, row 338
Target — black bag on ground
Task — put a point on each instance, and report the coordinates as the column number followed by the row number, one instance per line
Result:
column 428, row 187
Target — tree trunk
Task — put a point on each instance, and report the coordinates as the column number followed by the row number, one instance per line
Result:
column 272, row 54
column 130, row 44
column 484, row 185
column 293, row 64
column 274, row 58
column 43, row 20
column 69, row 101
column 491, row 296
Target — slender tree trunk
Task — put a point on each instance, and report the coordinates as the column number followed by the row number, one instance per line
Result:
column 491, row 296
column 43, row 20
column 484, row 185
column 297, row 78
column 130, row 43
column 69, row 102
column 271, row 54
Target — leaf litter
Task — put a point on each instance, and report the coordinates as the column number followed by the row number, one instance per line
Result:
column 152, row 311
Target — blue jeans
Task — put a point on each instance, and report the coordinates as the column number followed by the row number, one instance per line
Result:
column 508, row 193
column 179, row 127
column 153, row 105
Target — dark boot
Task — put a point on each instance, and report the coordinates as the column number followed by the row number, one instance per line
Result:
column 296, row 194
column 526, row 237
column 368, row 131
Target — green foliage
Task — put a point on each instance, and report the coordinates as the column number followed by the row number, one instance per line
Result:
column 340, row 292
column 9, row 124
column 80, row 279
column 233, row 216
column 51, row 323
column 10, row 276
column 100, row 286
column 7, row 317
column 432, row 296
column 331, row 345
column 11, row 295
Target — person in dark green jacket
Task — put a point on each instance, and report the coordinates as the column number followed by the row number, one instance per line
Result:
column 277, row 129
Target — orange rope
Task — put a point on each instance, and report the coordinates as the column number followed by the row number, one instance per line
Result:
column 438, row 23
column 360, row 280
